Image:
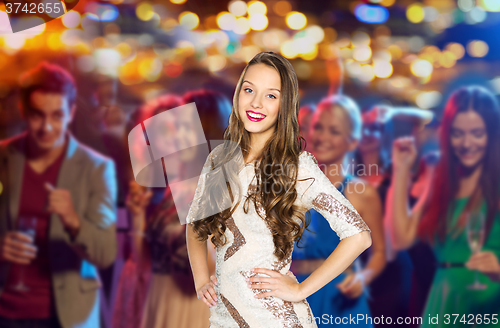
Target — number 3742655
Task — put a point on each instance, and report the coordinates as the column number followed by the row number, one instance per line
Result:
column 472, row 319
column 34, row 8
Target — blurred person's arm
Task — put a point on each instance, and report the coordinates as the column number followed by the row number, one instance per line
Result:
column 137, row 201
column 95, row 237
column 403, row 221
column 371, row 212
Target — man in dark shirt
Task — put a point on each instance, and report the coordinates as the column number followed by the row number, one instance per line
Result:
column 69, row 191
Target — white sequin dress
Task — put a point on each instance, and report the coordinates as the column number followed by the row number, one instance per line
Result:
column 250, row 245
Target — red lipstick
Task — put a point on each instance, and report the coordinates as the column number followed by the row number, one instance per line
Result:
column 257, row 117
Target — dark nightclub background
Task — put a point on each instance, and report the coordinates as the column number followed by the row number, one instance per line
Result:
column 407, row 56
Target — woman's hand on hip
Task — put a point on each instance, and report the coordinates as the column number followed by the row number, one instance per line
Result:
column 279, row 285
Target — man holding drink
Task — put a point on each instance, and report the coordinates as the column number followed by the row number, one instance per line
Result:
column 57, row 212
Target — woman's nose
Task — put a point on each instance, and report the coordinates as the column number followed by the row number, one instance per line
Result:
column 256, row 103
column 467, row 141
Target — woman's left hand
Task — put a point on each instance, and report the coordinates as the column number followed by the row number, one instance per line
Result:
column 485, row 262
column 283, row 286
column 352, row 286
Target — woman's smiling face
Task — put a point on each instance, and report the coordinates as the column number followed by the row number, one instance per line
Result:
column 259, row 99
column 330, row 135
column 469, row 138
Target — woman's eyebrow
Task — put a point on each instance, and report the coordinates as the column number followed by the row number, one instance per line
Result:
column 268, row 88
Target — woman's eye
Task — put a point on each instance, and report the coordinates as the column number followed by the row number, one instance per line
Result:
column 272, row 96
column 246, row 89
column 479, row 134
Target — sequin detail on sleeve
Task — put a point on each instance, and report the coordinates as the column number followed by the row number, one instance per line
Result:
column 234, row 313
column 311, row 157
column 239, row 239
column 332, row 205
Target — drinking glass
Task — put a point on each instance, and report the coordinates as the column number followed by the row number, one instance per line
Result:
column 475, row 238
column 26, row 225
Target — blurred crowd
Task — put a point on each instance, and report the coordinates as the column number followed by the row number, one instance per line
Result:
column 84, row 245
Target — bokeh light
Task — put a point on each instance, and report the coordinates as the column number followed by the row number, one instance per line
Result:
column 371, row 14
column 387, row 3
column 173, row 69
column 237, row 8
column 361, row 53
column 415, row 13
column 242, row 26
column 315, row 33
column 189, row 20
column 107, row 61
column 465, row 5
column 382, row 69
column 421, row 68
column 216, row 62
column 477, row 48
column 296, row 20
column 71, row 19
column 14, row 41
column 490, row 5
column 429, row 99
column 256, row 7
column 258, row 22
column 366, row 73
column 144, row 11
column 226, row 21
column 457, row 49
column 288, row 49
column 103, row 11
column 448, row 59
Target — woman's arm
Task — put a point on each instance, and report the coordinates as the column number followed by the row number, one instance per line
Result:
column 370, row 209
column 288, row 289
column 137, row 201
column 403, row 222
column 316, row 191
column 344, row 254
column 198, row 259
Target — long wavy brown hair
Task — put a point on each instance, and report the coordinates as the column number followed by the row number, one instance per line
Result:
column 276, row 174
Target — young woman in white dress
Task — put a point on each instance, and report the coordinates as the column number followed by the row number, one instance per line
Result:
column 279, row 182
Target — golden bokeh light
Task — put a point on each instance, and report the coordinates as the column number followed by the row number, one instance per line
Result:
column 226, row 21
column 237, row 8
column 189, row 20
column 256, row 7
column 296, row 20
column 258, row 22
column 415, row 13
